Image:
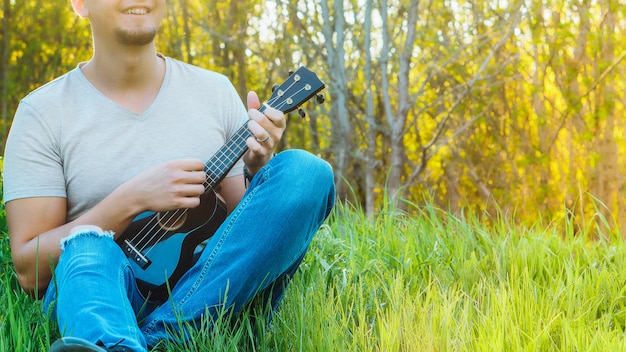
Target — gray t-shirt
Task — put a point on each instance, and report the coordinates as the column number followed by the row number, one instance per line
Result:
column 70, row 140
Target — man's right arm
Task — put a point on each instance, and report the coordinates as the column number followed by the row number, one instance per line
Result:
column 36, row 227
column 34, row 246
column 37, row 224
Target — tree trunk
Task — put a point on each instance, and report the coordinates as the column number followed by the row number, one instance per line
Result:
column 397, row 120
column 372, row 127
column 334, row 41
column 607, row 175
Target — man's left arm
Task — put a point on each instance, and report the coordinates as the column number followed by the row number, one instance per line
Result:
column 267, row 129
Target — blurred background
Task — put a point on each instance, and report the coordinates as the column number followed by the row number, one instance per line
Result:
column 499, row 108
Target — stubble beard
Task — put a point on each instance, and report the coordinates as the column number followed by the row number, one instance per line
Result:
column 136, row 37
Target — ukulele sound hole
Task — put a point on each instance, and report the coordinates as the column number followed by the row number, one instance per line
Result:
column 172, row 220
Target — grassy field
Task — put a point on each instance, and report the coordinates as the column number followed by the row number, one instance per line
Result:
column 431, row 282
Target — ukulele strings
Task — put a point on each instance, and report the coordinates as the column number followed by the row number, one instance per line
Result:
column 153, row 229
column 148, row 232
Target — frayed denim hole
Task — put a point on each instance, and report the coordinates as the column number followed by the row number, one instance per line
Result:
column 65, row 240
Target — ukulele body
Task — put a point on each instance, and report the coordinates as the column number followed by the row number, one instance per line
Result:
column 172, row 238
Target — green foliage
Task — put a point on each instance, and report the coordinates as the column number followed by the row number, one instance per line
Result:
column 508, row 101
column 431, row 282
column 40, row 41
column 23, row 327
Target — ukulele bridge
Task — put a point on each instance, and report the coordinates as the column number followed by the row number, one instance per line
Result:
column 135, row 255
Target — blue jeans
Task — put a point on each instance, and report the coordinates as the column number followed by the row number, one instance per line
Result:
column 256, row 250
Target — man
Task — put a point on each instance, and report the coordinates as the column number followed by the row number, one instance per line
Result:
column 128, row 132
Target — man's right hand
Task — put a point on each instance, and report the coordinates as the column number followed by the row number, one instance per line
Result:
column 171, row 185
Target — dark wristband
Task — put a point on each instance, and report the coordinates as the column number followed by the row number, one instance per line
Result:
column 247, row 175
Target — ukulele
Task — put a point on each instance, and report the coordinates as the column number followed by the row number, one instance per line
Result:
column 160, row 246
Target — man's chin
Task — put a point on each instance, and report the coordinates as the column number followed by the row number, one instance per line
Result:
column 136, row 38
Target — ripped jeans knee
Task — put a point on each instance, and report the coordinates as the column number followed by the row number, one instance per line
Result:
column 84, row 230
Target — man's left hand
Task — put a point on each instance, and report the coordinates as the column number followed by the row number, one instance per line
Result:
column 267, row 129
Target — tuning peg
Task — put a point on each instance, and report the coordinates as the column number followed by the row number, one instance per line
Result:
column 274, row 87
column 301, row 113
column 320, row 98
column 291, row 72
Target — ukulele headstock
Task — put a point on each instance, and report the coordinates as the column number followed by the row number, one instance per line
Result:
column 301, row 86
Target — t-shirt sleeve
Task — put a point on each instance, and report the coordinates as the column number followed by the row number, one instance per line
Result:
column 32, row 162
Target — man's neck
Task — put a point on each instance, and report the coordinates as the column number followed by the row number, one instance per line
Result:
column 131, row 78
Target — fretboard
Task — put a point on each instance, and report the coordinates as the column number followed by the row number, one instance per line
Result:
column 227, row 156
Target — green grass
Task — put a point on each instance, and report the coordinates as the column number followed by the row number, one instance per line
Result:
column 430, row 282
